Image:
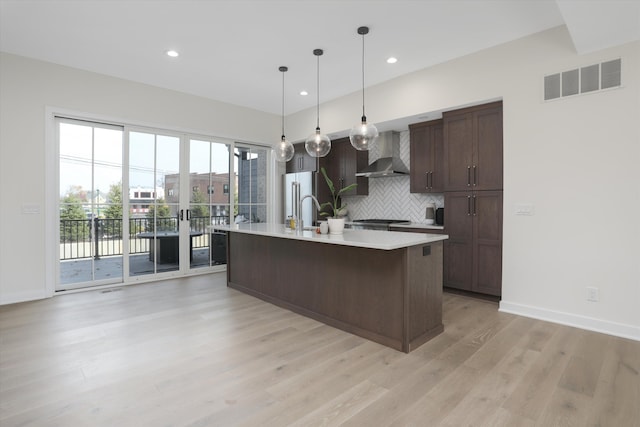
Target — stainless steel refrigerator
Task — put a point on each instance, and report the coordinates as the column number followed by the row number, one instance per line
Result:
column 307, row 186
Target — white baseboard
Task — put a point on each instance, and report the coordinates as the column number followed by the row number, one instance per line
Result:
column 16, row 297
column 582, row 322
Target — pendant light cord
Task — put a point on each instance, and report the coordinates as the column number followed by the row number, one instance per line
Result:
column 318, row 92
column 281, row 69
column 363, row 115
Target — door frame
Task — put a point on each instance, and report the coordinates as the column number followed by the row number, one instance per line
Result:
column 52, row 184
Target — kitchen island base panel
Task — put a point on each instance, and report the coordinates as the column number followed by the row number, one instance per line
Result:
column 393, row 297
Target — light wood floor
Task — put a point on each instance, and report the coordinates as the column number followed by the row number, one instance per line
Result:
column 191, row 352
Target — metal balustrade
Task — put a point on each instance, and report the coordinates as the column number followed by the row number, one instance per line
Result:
column 86, row 238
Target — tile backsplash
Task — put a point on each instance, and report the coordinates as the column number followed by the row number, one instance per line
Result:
column 389, row 198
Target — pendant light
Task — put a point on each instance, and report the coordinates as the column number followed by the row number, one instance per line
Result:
column 363, row 134
column 284, row 149
column 317, row 144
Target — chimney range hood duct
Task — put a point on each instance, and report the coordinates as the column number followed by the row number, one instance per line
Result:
column 389, row 163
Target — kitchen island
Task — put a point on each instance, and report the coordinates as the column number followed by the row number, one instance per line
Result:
column 384, row 286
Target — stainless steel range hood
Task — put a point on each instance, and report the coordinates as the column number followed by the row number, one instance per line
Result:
column 389, row 163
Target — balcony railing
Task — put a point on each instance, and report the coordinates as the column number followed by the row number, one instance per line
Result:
column 84, row 238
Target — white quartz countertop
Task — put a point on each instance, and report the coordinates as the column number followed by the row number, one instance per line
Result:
column 373, row 239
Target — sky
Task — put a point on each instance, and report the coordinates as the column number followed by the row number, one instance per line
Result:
column 82, row 146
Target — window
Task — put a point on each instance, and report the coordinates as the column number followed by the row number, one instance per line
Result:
column 251, row 167
column 210, row 189
column 225, row 188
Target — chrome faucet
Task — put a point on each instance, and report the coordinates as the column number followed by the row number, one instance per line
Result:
column 300, row 225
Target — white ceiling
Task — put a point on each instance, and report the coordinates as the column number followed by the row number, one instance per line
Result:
column 231, row 50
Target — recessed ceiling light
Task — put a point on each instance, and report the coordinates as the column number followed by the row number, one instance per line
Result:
column 304, row 93
column 392, row 60
column 172, row 53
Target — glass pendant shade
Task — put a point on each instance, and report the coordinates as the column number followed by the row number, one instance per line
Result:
column 318, row 144
column 362, row 135
column 284, row 150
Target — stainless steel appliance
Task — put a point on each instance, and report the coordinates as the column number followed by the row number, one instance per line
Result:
column 307, row 186
column 374, row 224
column 389, row 163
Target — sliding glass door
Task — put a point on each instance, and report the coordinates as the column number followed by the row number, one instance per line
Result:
column 90, row 203
column 137, row 203
column 209, row 201
column 154, row 204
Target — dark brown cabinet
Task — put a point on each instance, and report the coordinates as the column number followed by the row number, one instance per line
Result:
column 342, row 163
column 473, row 252
column 301, row 161
column 426, row 145
column 473, row 156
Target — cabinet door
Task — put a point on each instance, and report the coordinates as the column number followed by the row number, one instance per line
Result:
column 437, row 171
column 331, row 165
column 487, row 151
column 458, row 151
column 426, row 157
column 301, row 161
column 342, row 163
column 487, row 242
column 458, row 267
column 419, row 158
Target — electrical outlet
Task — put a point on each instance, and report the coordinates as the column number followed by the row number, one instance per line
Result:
column 593, row 294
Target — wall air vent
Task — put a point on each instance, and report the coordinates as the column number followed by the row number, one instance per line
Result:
column 583, row 80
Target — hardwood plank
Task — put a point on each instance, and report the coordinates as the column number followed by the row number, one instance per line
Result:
column 343, row 406
column 482, row 405
column 192, row 352
column 538, row 383
column 584, row 366
column 617, row 394
column 565, row 408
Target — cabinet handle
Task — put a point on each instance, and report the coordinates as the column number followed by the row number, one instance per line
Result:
column 475, row 176
column 431, row 179
column 468, row 205
column 468, row 176
column 475, row 206
column 427, row 180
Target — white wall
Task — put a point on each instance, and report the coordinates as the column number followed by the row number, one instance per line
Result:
column 577, row 160
column 27, row 88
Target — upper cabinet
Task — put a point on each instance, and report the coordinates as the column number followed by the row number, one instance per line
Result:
column 301, row 161
column 473, row 148
column 342, row 163
column 426, row 145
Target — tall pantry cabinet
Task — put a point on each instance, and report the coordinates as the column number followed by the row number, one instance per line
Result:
column 473, row 198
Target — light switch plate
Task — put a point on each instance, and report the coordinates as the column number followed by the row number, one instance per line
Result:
column 524, row 209
column 30, row 209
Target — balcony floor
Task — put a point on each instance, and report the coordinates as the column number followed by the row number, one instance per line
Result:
column 110, row 267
